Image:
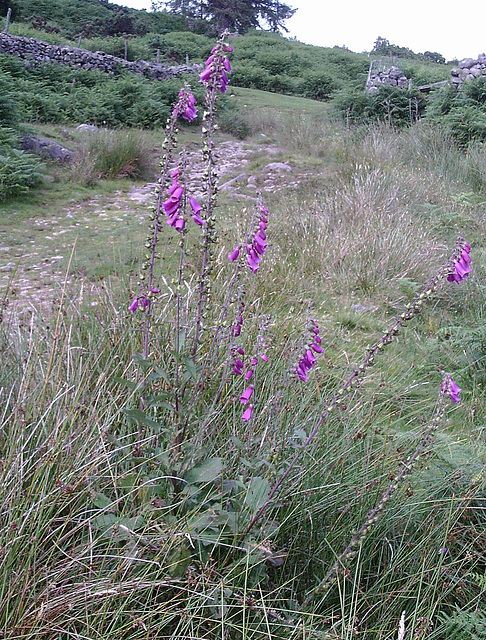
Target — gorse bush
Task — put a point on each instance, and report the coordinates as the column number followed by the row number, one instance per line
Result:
column 215, row 457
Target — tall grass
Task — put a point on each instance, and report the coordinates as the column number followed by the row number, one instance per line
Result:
column 114, row 154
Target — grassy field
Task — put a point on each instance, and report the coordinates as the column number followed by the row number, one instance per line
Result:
column 114, row 526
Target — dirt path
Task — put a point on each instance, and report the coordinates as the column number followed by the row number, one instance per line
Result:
column 34, row 257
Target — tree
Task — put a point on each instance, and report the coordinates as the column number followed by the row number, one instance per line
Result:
column 234, row 15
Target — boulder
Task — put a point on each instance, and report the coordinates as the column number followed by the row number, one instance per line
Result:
column 47, row 149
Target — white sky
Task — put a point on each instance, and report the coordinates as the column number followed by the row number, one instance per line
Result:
column 421, row 25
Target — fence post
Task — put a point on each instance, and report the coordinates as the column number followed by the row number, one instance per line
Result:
column 7, row 22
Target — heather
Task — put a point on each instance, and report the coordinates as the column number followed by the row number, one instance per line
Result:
column 261, row 416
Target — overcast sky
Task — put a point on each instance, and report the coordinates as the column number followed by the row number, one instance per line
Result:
column 455, row 31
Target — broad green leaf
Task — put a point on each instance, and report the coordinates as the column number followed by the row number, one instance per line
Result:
column 257, row 492
column 206, row 471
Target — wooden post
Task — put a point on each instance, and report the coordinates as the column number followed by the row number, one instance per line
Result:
column 187, row 59
column 126, row 48
column 79, row 40
column 7, row 22
column 158, row 56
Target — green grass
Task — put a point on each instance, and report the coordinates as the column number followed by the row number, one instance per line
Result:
column 97, row 541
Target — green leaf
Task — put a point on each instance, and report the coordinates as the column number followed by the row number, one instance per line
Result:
column 139, row 417
column 257, row 493
column 101, row 501
column 206, row 471
column 191, row 367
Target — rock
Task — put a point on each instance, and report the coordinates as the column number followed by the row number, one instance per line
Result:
column 466, row 63
column 46, row 149
column 87, row 127
column 278, row 166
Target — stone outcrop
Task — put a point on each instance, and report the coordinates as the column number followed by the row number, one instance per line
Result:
column 468, row 69
column 36, row 52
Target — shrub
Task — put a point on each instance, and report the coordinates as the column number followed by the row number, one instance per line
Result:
column 317, row 85
column 19, row 171
column 394, row 106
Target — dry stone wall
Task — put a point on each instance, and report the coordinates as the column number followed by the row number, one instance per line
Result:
column 36, row 52
column 379, row 74
column 468, row 69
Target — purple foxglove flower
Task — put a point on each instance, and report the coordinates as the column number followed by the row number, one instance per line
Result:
column 196, row 208
column 316, row 348
column 234, row 254
column 155, row 290
column 173, row 219
column 134, row 306
column 462, row 266
column 248, row 374
column 170, row 206
column 227, row 64
column 206, row 74
column 247, row 413
column 175, row 173
column 254, row 362
column 144, row 302
column 450, row 388
column 179, row 224
column 241, row 351
column 237, row 370
column 246, row 395
column 311, row 357
column 264, row 357
column 238, row 363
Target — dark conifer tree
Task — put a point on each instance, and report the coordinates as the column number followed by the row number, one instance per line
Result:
column 234, row 15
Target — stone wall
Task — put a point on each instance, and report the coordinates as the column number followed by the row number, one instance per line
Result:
column 36, row 52
column 379, row 74
column 468, row 69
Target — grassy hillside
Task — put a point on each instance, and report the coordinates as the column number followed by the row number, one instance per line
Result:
column 230, row 355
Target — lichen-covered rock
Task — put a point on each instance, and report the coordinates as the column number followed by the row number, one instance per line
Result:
column 46, row 149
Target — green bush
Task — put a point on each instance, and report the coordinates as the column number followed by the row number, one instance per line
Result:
column 317, row 85
column 462, row 112
column 57, row 94
column 8, row 107
column 19, row 171
column 467, row 124
column 391, row 105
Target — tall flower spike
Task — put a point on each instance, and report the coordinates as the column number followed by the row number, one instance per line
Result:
column 309, row 360
column 172, row 205
column 462, row 266
column 450, row 388
column 215, row 75
column 186, row 104
column 256, row 249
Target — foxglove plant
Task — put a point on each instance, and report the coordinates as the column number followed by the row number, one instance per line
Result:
column 215, row 79
column 186, row 108
column 412, row 309
column 377, row 512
